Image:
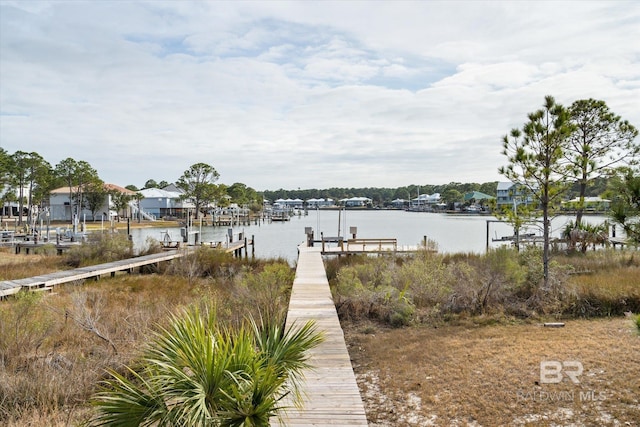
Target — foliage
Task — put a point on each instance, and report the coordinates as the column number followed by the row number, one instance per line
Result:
column 198, row 372
column 625, row 208
column 30, row 176
column 4, row 167
column 100, row 248
column 267, row 290
column 600, row 141
column 120, row 201
column 95, row 194
column 19, row 336
column 76, row 175
column 206, row 262
column 197, row 184
column 243, row 195
column 582, row 235
column 151, row 183
column 432, row 286
column 535, row 158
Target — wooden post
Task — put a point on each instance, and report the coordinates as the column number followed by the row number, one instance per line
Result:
column 246, row 253
column 486, row 249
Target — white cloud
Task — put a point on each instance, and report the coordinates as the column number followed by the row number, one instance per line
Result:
column 302, row 94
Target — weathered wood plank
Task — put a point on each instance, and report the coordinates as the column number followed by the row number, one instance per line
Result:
column 331, row 393
column 9, row 287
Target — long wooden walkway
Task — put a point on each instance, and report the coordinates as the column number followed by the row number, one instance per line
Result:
column 331, row 393
column 48, row 281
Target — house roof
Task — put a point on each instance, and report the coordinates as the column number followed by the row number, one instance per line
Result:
column 150, row 193
column 108, row 187
column 505, row 185
column 355, row 199
column 113, row 187
column 476, row 195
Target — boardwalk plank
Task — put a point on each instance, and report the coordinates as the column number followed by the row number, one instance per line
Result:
column 331, row 393
column 10, row 287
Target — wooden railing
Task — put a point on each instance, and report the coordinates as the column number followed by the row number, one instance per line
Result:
column 379, row 243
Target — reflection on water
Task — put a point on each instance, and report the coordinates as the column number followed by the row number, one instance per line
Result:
column 452, row 233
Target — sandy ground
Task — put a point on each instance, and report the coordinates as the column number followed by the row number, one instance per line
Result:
column 491, row 375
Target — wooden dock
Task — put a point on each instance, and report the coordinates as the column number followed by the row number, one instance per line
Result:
column 365, row 246
column 331, row 393
column 46, row 282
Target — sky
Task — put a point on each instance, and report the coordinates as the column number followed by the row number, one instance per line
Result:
column 306, row 94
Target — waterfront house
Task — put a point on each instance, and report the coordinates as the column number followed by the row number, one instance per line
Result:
column 289, row 203
column 356, row 202
column 477, row 196
column 591, row 204
column 425, row 201
column 60, row 204
column 319, row 203
column 400, row 203
column 164, row 202
column 510, row 193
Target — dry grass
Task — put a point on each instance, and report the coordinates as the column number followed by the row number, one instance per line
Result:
column 14, row 266
column 490, row 375
column 54, row 348
column 606, row 293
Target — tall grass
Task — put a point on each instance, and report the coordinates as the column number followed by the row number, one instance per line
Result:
column 55, row 348
column 501, row 282
column 99, row 249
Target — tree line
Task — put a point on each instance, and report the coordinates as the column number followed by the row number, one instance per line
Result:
column 27, row 179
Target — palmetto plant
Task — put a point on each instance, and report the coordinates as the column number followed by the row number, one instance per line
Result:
column 196, row 372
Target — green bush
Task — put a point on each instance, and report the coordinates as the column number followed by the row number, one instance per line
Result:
column 100, row 248
column 427, row 285
column 266, row 291
column 198, row 372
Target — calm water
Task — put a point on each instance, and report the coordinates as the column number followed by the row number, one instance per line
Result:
column 452, row 233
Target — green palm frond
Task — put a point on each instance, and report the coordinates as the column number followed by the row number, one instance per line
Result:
column 196, row 372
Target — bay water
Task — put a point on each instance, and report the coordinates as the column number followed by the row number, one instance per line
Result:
column 452, row 233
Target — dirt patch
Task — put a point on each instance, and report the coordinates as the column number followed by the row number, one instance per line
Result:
column 490, row 375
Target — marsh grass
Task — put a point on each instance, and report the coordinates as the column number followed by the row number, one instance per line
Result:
column 55, row 348
column 20, row 266
column 431, row 287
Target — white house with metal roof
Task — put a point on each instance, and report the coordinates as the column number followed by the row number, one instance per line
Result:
column 161, row 202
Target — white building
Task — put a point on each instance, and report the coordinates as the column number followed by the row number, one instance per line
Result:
column 424, row 200
column 356, row 202
column 319, row 203
column 162, row 202
column 60, row 204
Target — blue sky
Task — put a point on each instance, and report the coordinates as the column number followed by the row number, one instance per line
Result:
column 302, row 94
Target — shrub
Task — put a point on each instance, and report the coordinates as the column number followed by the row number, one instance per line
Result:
column 23, row 328
column 100, row 248
column 426, row 279
column 266, row 291
column 197, row 372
